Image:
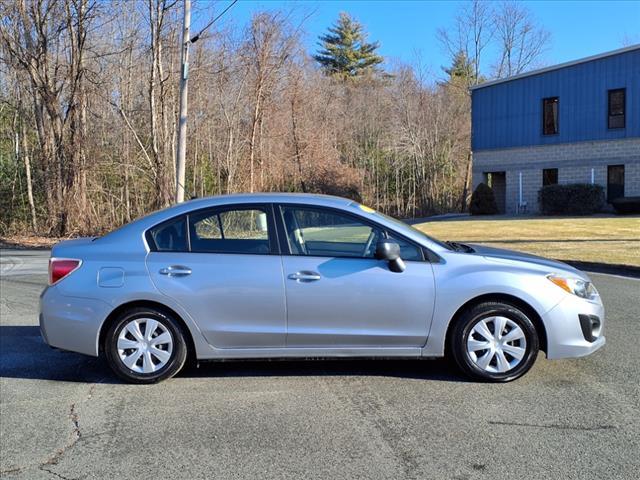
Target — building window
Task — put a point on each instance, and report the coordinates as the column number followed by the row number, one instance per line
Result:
column 615, row 182
column 549, row 176
column 550, row 115
column 617, row 108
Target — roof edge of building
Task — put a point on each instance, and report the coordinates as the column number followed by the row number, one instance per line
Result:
column 557, row 67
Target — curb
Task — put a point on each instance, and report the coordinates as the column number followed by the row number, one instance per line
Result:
column 606, row 268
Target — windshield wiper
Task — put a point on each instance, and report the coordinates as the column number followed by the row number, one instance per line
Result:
column 460, row 247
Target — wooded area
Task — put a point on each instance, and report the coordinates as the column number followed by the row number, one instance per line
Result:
column 89, row 108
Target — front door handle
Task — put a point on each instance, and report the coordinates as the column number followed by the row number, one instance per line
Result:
column 176, row 271
column 305, row 276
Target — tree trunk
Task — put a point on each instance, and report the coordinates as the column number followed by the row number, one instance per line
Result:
column 296, row 144
column 254, row 127
column 27, row 169
column 467, row 181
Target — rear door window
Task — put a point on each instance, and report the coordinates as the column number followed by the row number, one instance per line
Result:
column 243, row 230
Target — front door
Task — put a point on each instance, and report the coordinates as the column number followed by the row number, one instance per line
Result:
column 226, row 273
column 615, row 182
column 339, row 295
column 498, row 183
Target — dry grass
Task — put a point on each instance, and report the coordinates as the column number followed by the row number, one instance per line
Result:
column 26, row 241
column 600, row 239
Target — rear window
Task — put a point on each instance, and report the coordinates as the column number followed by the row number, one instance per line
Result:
column 170, row 236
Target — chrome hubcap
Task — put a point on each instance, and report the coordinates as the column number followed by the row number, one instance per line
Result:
column 496, row 344
column 145, row 345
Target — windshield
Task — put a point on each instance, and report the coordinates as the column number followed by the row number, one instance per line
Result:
column 405, row 226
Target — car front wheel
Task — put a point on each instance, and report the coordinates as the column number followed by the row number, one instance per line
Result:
column 494, row 341
column 145, row 345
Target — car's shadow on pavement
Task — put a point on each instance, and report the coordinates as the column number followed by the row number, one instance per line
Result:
column 23, row 354
column 437, row 370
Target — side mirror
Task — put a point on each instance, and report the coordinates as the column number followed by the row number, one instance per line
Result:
column 390, row 251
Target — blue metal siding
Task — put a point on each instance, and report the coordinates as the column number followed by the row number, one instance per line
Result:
column 509, row 114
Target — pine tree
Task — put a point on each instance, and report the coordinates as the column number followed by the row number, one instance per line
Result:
column 461, row 71
column 344, row 50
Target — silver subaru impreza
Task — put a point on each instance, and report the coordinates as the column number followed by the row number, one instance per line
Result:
column 308, row 276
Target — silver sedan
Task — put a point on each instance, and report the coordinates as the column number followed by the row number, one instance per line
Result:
column 311, row 276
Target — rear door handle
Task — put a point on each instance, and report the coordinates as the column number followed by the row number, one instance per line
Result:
column 176, row 271
column 305, row 276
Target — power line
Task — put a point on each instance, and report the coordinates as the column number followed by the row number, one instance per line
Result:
column 181, row 145
column 197, row 37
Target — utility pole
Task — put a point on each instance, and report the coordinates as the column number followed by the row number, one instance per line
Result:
column 181, row 149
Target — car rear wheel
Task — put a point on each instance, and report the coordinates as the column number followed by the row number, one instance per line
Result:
column 145, row 345
column 494, row 341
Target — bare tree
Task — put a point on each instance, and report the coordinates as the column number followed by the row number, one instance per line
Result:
column 269, row 44
column 473, row 29
column 159, row 91
column 22, row 146
column 47, row 40
column 90, row 138
column 521, row 41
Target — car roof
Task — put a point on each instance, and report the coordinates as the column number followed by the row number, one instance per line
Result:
column 135, row 230
column 141, row 224
column 267, row 197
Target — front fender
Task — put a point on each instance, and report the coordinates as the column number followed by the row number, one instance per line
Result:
column 458, row 285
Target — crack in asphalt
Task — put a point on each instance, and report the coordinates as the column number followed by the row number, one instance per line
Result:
column 76, row 435
column 11, row 470
column 372, row 407
column 556, row 426
column 11, row 304
column 8, row 263
column 55, row 474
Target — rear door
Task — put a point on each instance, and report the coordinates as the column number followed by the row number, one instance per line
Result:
column 223, row 266
column 339, row 295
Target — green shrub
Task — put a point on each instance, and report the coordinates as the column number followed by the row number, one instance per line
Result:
column 574, row 199
column 483, row 201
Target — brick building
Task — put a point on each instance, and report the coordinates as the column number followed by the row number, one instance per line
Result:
column 578, row 122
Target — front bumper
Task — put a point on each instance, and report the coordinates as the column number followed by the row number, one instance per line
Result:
column 71, row 323
column 567, row 336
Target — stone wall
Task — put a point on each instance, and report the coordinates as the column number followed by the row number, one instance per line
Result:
column 574, row 162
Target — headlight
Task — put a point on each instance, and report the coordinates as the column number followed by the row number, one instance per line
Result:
column 576, row 286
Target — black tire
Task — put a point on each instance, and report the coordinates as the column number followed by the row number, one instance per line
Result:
column 177, row 357
column 463, row 327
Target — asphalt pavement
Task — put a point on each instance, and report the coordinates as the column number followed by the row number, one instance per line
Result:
column 63, row 415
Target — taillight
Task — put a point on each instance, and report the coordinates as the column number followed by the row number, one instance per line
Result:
column 60, row 268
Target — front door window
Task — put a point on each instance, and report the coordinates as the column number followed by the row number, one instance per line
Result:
column 326, row 233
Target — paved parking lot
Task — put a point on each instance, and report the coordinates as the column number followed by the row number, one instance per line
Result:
column 66, row 416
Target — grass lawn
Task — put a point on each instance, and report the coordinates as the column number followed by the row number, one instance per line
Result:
column 604, row 239
column 601, row 239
